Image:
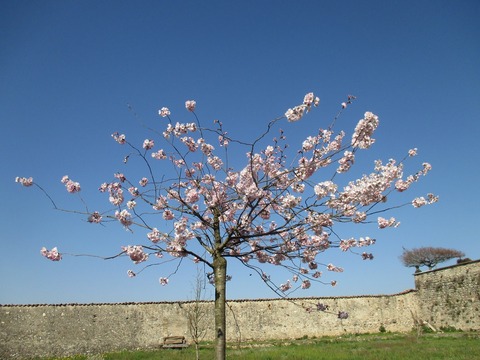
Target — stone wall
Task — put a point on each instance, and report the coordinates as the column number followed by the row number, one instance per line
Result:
column 55, row 330
column 450, row 296
column 444, row 297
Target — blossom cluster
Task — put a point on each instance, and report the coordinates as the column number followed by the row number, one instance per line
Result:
column 72, row 186
column 53, row 254
column 402, row 185
column 164, row 112
column 124, row 217
column 351, row 243
column 383, row 223
column 120, row 138
column 179, row 129
column 298, row 111
column 115, row 190
column 421, row 201
column 136, row 253
column 24, row 181
column 362, row 136
column 95, row 217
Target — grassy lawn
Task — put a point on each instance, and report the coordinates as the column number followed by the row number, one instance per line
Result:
column 456, row 346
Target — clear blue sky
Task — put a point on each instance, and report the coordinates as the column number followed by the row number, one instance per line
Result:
column 68, row 69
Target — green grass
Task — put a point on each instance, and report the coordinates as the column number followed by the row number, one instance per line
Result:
column 458, row 346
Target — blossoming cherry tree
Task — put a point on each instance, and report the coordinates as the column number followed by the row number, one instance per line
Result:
column 275, row 209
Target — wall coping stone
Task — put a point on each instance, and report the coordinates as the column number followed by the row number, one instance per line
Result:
column 446, row 267
column 208, row 301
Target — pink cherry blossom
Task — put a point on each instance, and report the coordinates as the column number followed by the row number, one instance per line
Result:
column 346, row 162
column 155, row 236
column 331, row 267
column 402, row 185
column 359, row 217
column 124, row 217
column 306, row 284
column 191, row 196
column 159, row 155
column 164, row 112
column 419, row 202
column 412, row 152
column 309, row 143
column 119, row 138
column 367, row 256
column 322, row 307
column 426, row 168
column 344, row 246
column 190, row 143
column 295, row 114
column 198, row 166
column 285, row 287
column 432, row 198
column 116, row 197
column 136, row 253
column 290, row 201
column 189, row 173
column 207, row 149
column 95, row 217
column 148, row 144
column 24, row 181
column 133, row 191
column 223, row 140
column 325, row 188
column 362, row 137
column 143, row 182
column 190, row 105
column 366, row 241
column 115, row 192
column 163, row 281
column 72, row 186
column 342, row 315
column 308, row 99
column 120, row 177
column 161, row 203
column 298, row 187
column 168, row 215
column 53, row 254
column 383, row 223
column 131, row 274
column 179, row 162
column 215, row 162
column 179, row 129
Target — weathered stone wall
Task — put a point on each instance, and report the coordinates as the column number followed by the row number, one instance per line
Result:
column 450, row 296
column 444, row 297
column 53, row 330
column 288, row 319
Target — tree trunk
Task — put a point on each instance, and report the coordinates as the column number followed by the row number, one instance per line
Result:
column 220, row 272
column 197, row 352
